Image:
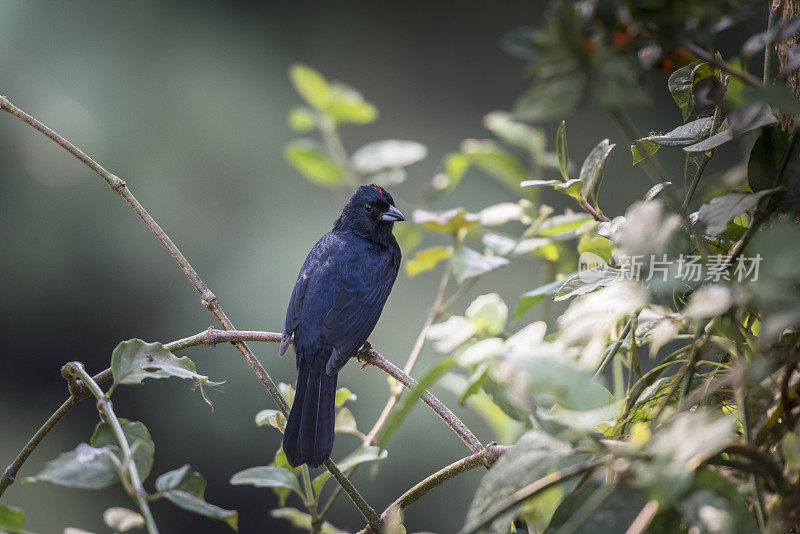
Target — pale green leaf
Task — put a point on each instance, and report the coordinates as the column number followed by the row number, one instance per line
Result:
column 84, row 467
column 488, row 314
column 310, row 161
column 310, row 85
column 427, row 260
column 302, row 520
column 135, row 360
column 301, row 119
column 681, row 85
column 11, row 518
column 468, row 263
column 185, row 488
column 593, row 169
column 561, row 150
column 122, row 519
column 388, row 154
column 138, row 438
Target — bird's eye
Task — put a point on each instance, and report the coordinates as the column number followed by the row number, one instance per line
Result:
column 368, row 208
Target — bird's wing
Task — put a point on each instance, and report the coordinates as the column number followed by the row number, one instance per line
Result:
column 354, row 314
column 294, row 311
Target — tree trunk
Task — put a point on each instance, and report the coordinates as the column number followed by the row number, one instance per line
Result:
column 789, row 8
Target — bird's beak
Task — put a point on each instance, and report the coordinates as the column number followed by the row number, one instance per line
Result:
column 393, row 215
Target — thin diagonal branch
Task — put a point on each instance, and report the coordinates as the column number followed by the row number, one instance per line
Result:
column 209, row 300
column 486, row 457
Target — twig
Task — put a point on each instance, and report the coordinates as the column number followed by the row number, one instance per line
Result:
column 707, row 155
column 644, row 518
column 486, row 457
column 614, row 348
column 529, row 491
column 706, row 56
column 104, row 406
column 596, row 214
column 741, row 400
column 209, row 300
column 10, row 472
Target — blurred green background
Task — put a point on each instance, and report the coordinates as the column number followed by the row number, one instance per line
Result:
column 187, row 102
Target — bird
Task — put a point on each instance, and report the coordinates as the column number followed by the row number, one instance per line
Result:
column 336, row 301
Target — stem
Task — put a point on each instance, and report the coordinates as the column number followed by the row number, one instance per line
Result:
column 643, row 518
column 614, row 349
column 681, row 374
column 598, row 215
column 707, row 155
column 741, row 397
column 334, row 144
column 10, row 472
column 311, row 500
column 709, row 58
column 485, row 457
column 433, row 313
column 104, row 406
column 529, row 491
column 208, row 299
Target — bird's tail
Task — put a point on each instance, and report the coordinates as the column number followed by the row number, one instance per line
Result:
column 309, row 434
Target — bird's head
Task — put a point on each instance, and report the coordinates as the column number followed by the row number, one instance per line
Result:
column 370, row 210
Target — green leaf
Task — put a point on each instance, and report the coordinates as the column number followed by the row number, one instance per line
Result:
column 494, row 161
column 619, row 507
column 715, row 505
column 533, row 297
column 488, row 314
column 345, row 423
column 741, row 120
column 122, row 519
column 344, row 395
column 303, row 521
column 273, row 418
column 534, row 456
column 765, row 158
column 790, row 448
column 571, row 188
column 450, row 221
column 468, row 263
column 427, row 260
column 138, row 438
column 84, row 467
column 135, row 360
column 388, row 154
column 11, row 518
column 562, row 224
column 597, row 245
column 311, row 86
column 587, row 281
column 716, row 214
column 185, row 488
column 301, row 119
column 684, row 135
column 310, row 161
column 363, row 454
column 561, row 150
column 536, row 183
column 593, row 169
column 345, row 104
column 519, row 134
column 409, row 400
column 681, row 85
column 268, row 477
column 451, row 333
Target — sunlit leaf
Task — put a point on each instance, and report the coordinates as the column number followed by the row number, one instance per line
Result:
column 344, row 395
column 451, row 333
column 388, row 154
column 268, row 477
column 185, row 488
column 310, row 161
column 488, row 314
column 11, row 518
column 273, row 418
column 345, row 104
column 562, row 224
column 502, row 213
column 468, row 263
column 345, row 423
column 562, row 151
column 593, row 169
column 450, row 221
column 684, row 135
column 310, row 85
column 122, row 519
column 302, row 520
column 427, row 260
column 741, row 120
column 301, row 119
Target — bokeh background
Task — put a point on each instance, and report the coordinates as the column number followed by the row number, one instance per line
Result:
column 188, row 102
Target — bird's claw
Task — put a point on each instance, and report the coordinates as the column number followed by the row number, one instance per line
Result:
column 363, row 354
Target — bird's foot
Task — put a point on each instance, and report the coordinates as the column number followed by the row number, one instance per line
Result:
column 364, row 354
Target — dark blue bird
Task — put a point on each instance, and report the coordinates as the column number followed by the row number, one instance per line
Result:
column 336, row 301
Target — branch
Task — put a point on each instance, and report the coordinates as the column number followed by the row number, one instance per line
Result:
column 75, row 370
column 80, row 393
column 706, row 56
column 486, row 457
column 596, row 214
column 529, row 491
column 208, row 298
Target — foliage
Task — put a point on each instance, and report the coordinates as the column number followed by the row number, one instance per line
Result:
column 699, row 436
